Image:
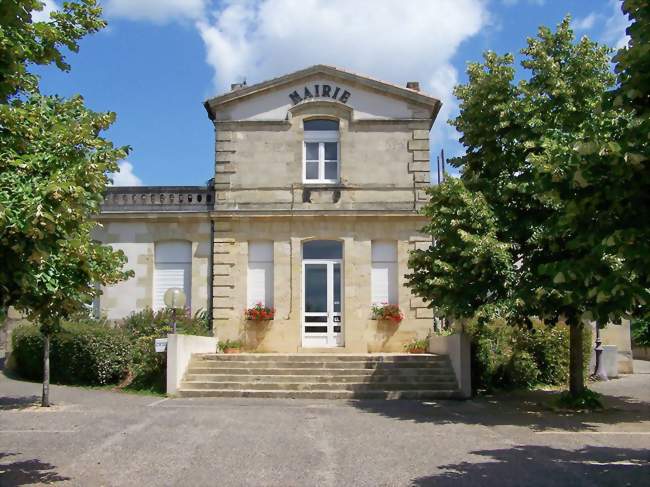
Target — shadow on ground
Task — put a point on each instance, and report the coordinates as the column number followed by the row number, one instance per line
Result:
column 541, row 465
column 528, row 409
column 13, row 403
column 25, row 472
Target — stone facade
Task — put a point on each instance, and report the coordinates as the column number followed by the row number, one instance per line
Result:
column 134, row 220
column 261, row 194
column 283, row 334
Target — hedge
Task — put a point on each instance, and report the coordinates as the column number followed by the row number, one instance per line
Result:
column 143, row 327
column 641, row 332
column 92, row 352
column 509, row 357
column 81, row 353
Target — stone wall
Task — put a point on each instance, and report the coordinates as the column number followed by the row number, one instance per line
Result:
column 137, row 236
column 283, row 334
column 384, row 163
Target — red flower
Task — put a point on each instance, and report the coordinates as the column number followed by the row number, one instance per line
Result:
column 259, row 312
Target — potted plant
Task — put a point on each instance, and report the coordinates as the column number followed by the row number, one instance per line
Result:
column 260, row 312
column 389, row 312
column 417, row 346
column 230, row 346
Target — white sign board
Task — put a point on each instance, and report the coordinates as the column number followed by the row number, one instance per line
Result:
column 161, row 344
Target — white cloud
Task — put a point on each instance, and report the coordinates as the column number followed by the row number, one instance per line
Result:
column 158, row 11
column 615, row 25
column 126, row 177
column 260, row 39
column 585, row 23
column 515, row 2
column 44, row 15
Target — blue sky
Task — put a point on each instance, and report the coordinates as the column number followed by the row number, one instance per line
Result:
column 160, row 59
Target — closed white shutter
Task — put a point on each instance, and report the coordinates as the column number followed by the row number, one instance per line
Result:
column 384, row 272
column 260, row 274
column 173, row 269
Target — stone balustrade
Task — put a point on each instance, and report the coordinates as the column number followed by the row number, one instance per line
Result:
column 158, row 198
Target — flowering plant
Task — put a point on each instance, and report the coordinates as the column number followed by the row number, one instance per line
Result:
column 260, row 312
column 417, row 346
column 386, row 311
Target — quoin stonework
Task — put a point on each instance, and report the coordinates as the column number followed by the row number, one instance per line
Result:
column 318, row 178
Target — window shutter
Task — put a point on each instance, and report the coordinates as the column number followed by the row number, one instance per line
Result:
column 260, row 274
column 384, row 273
column 173, row 269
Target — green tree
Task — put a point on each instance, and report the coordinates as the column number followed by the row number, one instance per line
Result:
column 529, row 157
column 54, row 168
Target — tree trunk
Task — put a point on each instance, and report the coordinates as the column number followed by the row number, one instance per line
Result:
column 576, row 362
column 45, row 400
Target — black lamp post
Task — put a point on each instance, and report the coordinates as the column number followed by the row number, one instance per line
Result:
column 599, row 371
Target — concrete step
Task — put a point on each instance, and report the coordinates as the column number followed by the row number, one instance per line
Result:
column 305, row 357
column 283, row 364
column 317, row 386
column 320, row 376
column 361, row 378
column 203, row 369
column 321, row 394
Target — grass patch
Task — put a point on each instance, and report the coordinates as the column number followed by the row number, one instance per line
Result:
column 587, row 401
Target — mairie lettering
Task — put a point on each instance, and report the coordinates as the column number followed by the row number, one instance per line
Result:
column 320, row 91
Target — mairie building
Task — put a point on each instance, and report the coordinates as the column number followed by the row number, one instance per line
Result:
column 313, row 209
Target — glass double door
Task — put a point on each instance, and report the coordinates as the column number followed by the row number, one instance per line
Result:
column 322, row 324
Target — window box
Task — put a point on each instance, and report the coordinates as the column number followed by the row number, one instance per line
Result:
column 260, row 312
column 387, row 312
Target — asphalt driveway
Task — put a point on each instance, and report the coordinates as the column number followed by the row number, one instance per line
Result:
column 102, row 438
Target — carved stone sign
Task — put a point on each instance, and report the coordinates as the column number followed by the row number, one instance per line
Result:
column 320, row 91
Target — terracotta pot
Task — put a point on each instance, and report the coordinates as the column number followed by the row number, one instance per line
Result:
column 231, row 350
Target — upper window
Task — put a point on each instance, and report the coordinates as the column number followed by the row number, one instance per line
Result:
column 321, row 151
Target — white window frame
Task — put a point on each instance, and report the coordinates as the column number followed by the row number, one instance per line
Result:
column 163, row 262
column 384, row 257
column 260, row 257
column 320, row 137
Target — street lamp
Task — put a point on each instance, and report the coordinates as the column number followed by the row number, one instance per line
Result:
column 599, row 373
column 174, row 299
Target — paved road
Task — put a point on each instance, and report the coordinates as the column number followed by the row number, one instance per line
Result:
column 97, row 438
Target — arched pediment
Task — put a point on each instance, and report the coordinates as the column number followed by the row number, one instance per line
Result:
column 321, row 108
column 367, row 98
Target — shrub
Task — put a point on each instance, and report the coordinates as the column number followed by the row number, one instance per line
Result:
column 143, row 327
column 550, row 349
column 157, row 324
column 520, row 357
column 522, row 370
column 587, row 401
column 81, row 353
column 641, row 332
column 229, row 344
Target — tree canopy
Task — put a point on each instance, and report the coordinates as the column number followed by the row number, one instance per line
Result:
column 547, row 166
column 54, row 168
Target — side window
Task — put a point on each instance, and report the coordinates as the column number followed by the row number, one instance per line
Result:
column 384, row 272
column 173, row 269
column 260, row 274
column 321, row 151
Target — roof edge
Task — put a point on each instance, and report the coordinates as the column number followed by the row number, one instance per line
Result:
column 380, row 85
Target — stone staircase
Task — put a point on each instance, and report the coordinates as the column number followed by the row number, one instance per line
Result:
column 320, row 376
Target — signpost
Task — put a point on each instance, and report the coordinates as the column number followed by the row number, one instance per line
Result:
column 161, row 345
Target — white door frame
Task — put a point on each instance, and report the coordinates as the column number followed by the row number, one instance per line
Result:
column 329, row 338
